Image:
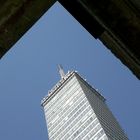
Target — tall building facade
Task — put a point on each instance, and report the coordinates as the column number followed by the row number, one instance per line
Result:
column 76, row 111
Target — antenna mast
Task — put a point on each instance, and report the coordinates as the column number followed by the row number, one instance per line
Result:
column 61, row 71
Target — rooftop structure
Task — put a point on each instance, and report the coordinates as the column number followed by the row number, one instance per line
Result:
column 60, row 84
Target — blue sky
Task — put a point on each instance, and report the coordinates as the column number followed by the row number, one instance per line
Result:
column 29, row 70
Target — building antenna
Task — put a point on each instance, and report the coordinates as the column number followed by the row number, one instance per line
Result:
column 61, row 71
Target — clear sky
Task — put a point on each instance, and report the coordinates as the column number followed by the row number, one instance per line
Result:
column 29, row 70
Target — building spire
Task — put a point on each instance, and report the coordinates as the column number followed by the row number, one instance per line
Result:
column 61, row 71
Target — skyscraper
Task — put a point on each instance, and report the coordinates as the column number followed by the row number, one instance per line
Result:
column 74, row 110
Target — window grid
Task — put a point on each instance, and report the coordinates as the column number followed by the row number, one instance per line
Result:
column 91, row 130
column 87, row 130
column 82, row 128
column 64, row 115
column 63, row 96
column 85, row 108
column 103, row 137
column 98, row 135
column 74, row 127
column 65, row 89
column 78, row 108
column 73, row 98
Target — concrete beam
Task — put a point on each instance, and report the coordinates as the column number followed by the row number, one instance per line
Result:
column 16, row 17
column 115, row 22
